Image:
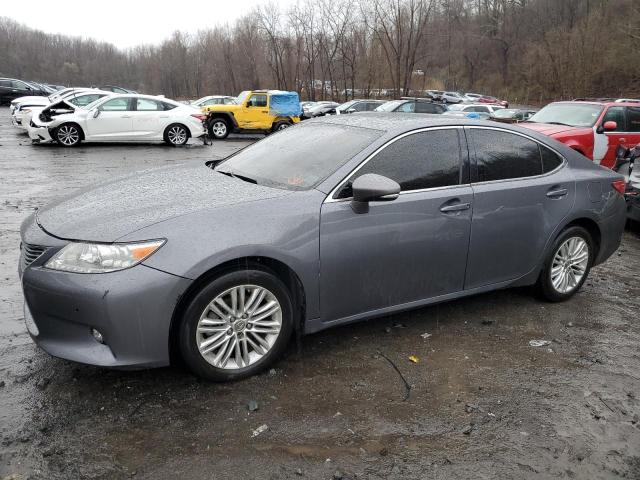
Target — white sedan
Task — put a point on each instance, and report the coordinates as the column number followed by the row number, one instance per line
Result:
column 23, row 113
column 118, row 118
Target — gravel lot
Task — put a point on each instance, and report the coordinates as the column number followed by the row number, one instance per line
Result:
column 482, row 402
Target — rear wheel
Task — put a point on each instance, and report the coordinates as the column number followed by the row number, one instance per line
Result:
column 219, row 129
column 237, row 325
column 176, row 135
column 68, row 135
column 567, row 266
column 280, row 126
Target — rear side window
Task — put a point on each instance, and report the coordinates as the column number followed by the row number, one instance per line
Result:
column 633, row 119
column 503, row 155
column 550, row 159
column 5, row 83
column 417, row 161
column 168, row 106
column 147, row 105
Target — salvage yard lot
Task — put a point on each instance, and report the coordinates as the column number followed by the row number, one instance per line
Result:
column 482, row 403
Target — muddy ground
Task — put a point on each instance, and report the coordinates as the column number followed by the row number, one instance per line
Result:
column 482, row 402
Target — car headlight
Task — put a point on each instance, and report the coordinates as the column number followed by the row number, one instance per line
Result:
column 80, row 257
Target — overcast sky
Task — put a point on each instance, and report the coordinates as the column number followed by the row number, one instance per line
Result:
column 127, row 23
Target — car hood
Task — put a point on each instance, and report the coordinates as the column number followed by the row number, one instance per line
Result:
column 548, row 128
column 111, row 210
column 222, row 108
column 38, row 99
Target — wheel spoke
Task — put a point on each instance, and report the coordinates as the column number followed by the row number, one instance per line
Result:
column 239, row 327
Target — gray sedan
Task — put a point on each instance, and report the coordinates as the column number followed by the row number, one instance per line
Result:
column 332, row 221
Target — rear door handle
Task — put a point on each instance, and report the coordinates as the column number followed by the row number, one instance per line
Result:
column 561, row 192
column 126, row 116
column 622, row 140
column 455, row 208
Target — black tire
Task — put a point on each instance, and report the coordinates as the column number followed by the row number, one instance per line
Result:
column 188, row 328
column 68, row 134
column 545, row 284
column 219, row 129
column 280, row 125
column 176, row 135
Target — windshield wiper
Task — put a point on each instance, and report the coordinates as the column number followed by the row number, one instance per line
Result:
column 559, row 123
column 238, row 176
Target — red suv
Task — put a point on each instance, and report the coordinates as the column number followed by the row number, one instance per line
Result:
column 593, row 128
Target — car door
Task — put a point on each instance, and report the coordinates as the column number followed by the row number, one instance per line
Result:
column 521, row 193
column 613, row 138
column 255, row 113
column 405, row 250
column 111, row 120
column 148, row 118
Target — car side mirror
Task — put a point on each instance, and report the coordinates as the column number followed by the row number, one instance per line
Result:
column 96, row 113
column 372, row 187
column 610, row 125
column 351, row 110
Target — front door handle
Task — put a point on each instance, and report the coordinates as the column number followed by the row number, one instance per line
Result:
column 622, row 140
column 265, row 111
column 455, row 208
column 126, row 116
column 561, row 192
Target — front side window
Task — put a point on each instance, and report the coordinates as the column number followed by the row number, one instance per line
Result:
column 19, row 85
column 633, row 119
column 421, row 160
column 146, row 105
column 115, row 105
column 503, row 155
column 616, row 114
column 257, row 101
column 425, row 107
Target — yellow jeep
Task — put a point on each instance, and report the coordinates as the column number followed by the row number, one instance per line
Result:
column 256, row 111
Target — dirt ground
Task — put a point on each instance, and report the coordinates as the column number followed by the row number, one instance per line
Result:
column 482, row 403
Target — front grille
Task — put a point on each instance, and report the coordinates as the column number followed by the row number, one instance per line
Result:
column 30, row 253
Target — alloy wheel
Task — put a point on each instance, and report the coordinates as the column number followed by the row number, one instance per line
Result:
column 283, row 125
column 68, row 135
column 219, row 129
column 569, row 264
column 239, row 327
column 177, row 135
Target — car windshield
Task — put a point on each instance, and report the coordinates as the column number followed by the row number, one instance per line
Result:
column 389, row 106
column 241, row 98
column 346, row 106
column 300, row 157
column 505, row 113
column 94, row 103
column 571, row 114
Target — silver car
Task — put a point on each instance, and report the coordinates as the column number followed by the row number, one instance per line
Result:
column 333, row 221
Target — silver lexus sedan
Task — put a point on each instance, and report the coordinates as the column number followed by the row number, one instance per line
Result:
column 333, row 221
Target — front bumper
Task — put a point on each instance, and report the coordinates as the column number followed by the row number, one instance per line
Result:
column 132, row 309
column 38, row 134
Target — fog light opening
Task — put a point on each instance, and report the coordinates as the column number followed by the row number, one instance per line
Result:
column 97, row 335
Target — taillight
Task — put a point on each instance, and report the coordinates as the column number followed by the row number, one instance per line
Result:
column 619, row 186
column 199, row 116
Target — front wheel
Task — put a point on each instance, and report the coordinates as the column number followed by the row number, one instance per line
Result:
column 567, row 266
column 176, row 135
column 237, row 325
column 68, row 135
column 218, row 129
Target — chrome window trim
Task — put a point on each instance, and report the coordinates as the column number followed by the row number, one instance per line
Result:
column 342, row 182
column 524, row 135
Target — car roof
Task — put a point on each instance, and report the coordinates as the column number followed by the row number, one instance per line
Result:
column 594, row 101
column 398, row 122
